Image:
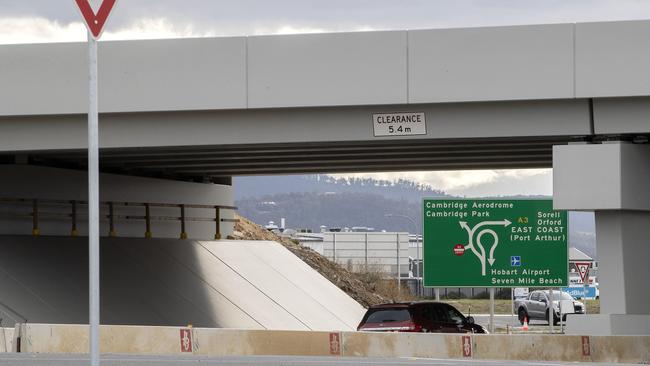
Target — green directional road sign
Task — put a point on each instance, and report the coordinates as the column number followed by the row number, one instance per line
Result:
column 494, row 243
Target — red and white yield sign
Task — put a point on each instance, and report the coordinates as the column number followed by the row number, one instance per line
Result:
column 95, row 21
column 583, row 269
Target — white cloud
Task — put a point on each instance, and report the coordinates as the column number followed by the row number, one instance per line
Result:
column 179, row 18
column 42, row 21
column 288, row 29
column 155, row 28
column 21, row 30
column 39, row 30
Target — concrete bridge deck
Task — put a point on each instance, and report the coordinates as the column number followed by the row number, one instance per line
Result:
column 201, row 109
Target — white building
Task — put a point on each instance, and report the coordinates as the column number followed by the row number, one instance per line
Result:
column 373, row 250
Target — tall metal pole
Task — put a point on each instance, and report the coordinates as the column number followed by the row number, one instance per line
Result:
column 559, row 303
column 491, row 327
column 586, row 289
column 93, row 201
column 334, row 246
column 417, row 260
column 366, row 257
column 551, row 310
column 399, row 274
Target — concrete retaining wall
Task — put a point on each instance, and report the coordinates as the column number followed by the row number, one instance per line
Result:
column 170, row 282
column 43, row 338
column 27, row 181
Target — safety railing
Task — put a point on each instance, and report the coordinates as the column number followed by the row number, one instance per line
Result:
column 38, row 213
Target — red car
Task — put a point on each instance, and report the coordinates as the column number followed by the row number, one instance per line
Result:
column 424, row 316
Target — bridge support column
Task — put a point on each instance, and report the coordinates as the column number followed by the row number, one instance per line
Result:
column 612, row 180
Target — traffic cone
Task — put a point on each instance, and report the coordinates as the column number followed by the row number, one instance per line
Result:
column 525, row 326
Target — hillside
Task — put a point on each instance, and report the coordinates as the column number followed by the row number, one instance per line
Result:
column 348, row 209
column 309, row 201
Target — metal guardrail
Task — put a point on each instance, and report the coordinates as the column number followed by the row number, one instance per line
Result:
column 37, row 213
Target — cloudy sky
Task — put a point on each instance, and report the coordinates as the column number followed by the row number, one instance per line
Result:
column 58, row 20
column 29, row 21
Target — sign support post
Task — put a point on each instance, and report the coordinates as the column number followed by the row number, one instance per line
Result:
column 583, row 270
column 585, row 281
column 93, row 200
column 560, row 309
column 551, row 310
column 95, row 23
column 491, row 310
column 399, row 274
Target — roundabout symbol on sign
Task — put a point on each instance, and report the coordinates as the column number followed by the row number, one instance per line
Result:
column 476, row 246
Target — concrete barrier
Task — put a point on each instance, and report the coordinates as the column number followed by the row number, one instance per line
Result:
column 6, row 339
column 364, row 344
column 44, row 338
column 528, row 347
column 224, row 342
column 628, row 349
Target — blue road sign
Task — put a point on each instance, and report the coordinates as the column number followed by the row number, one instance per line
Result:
column 515, row 261
column 579, row 292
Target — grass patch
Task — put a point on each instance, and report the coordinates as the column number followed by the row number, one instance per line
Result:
column 593, row 306
column 480, row 306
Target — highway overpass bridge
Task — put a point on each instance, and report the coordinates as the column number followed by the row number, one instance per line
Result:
column 575, row 97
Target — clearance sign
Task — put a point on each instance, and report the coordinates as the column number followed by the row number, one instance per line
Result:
column 494, row 243
column 399, row 124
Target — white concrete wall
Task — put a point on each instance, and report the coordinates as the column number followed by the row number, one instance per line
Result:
column 612, row 59
column 295, row 125
column 173, row 74
column 162, row 282
column 608, row 324
column 26, row 181
column 621, row 115
column 364, row 68
column 623, row 250
column 496, row 63
column 327, row 69
column 187, row 74
column 608, row 176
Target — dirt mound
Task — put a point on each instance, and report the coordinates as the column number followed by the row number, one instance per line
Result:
column 364, row 293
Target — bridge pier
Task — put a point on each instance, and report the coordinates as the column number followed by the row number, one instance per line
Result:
column 611, row 179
